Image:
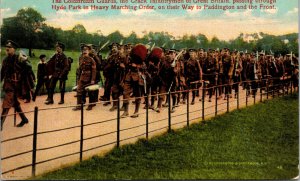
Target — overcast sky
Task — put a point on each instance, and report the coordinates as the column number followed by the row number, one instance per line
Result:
column 223, row 24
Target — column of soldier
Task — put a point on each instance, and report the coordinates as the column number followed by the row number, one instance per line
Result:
column 139, row 70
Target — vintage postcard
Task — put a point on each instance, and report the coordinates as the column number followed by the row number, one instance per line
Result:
column 149, row 89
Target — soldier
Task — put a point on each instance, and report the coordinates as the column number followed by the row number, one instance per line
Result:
column 41, row 76
column 210, row 70
column 28, row 81
column 238, row 67
column 11, row 73
column 253, row 74
column 154, row 60
column 108, row 72
column 227, row 73
column 133, row 81
column 93, row 95
column 87, row 69
column 119, row 75
column 167, row 75
column 58, row 68
column 193, row 73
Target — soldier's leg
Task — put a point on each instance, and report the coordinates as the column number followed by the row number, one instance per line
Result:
column 37, row 88
column 20, row 112
column 162, row 91
column 126, row 97
column 107, row 92
column 62, row 87
column 137, row 92
column 51, row 90
column 80, row 92
column 3, row 116
column 115, row 95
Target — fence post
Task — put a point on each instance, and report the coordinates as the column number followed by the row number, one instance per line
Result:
column 216, row 106
column 81, row 132
column 227, row 102
column 118, row 123
column 188, row 108
column 268, row 88
column 169, row 112
column 238, row 96
column 147, row 117
column 34, row 141
column 203, row 97
column 15, row 117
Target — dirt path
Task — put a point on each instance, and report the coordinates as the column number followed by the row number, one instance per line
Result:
column 64, row 117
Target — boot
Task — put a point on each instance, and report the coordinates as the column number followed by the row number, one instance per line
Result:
column 90, row 107
column 125, row 113
column 62, row 98
column 136, row 111
column 22, row 115
column 114, row 107
column 50, row 100
column 3, row 116
column 79, row 101
column 159, row 105
column 23, row 122
column 33, row 97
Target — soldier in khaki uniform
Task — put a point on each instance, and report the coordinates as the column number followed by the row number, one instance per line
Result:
column 193, row 72
column 11, row 73
column 227, row 72
column 58, row 68
column 133, row 81
column 87, row 72
column 238, row 67
column 210, row 70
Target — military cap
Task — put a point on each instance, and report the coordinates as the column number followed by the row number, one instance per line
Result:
column 241, row 53
column 82, row 45
column 192, row 50
column 11, row 44
column 201, row 50
column 42, row 56
column 128, row 45
column 60, row 44
column 94, row 46
column 172, row 50
column 113, row 44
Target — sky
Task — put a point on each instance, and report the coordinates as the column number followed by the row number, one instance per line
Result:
column 225, row 25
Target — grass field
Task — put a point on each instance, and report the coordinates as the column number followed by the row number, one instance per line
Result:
column 259, row 142
column 49, row 53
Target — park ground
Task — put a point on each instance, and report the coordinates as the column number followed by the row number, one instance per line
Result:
column 258, row 142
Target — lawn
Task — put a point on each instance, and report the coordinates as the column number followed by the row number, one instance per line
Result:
column 259, row 142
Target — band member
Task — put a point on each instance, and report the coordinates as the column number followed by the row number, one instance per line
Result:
column 12, row 74
column 58, row 68
column 134, row 79
column 87, row 69
column 193, row 72
column 41, row 76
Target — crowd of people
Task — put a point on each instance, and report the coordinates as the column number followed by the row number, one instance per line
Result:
column 137, row 70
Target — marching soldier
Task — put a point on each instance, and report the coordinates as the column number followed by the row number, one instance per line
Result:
column 134, row 79
column 12, row 74
column 87, row 70
column 41, row 76
column 238, row 67
column 227, row 73
column 58, row 68
column 108, row 72
column 193, row 73
column 210, row 70
column 253, row 74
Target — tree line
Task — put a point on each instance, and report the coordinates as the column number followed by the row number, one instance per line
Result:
column 29, row 29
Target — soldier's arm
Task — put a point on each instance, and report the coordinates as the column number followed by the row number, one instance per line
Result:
column 66, row 67
column 3, row 69
column 94, row 69
column 200, row 70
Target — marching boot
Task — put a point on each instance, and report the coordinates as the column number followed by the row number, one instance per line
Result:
column 79, row 101
column 136, row 111
column 114, row 107
column 125, row 113
column 34, row 96
column 193, row 98
column 50, row 100
column 174, row 98
column 152, row 102
column 3, row 116
column 62, row 98
column 22, row 115
column 159, row 105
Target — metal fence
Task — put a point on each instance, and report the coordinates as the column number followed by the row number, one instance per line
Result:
column 284, row 87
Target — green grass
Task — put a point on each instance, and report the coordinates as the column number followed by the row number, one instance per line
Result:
column 259, row 142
